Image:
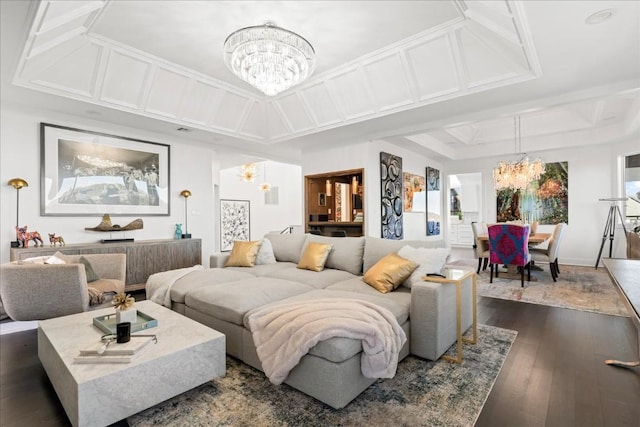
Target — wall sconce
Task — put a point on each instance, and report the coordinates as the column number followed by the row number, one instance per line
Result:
column 354, row 185
column 17, row 183
column 328, row 189
column 186, row 194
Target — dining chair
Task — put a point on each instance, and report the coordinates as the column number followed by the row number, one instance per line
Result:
column 550, row 254
column 480, row 247
column 509, row 245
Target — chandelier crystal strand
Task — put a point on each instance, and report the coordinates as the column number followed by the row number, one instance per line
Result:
column 269, row 58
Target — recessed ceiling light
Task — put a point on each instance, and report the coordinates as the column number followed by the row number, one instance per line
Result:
column 599, row 17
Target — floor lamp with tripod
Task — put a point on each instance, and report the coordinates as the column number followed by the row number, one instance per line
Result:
column 610, row 225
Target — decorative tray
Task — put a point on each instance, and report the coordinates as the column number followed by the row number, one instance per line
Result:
column 107, row 324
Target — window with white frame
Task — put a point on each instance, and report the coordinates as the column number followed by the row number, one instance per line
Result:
column 632, row 187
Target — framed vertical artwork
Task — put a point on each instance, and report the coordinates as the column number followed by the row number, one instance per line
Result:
column 322, row 199
column 234, row 222
column 86, row 173
column 413, row 190
column 434, row 204
column 546, row 200
column 391, row 196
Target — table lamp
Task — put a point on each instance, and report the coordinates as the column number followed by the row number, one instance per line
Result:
column 17, row 183
column 186, row 194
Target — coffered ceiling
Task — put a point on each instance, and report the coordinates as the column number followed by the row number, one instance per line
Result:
column 445, row 76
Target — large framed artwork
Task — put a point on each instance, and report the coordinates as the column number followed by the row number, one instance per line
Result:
column 234, row 222
column 86, row 173
column 434, row 208
column 545, row 200
column 413, row 190
column 391, row 196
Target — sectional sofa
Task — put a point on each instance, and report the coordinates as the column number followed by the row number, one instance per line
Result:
column 223, row 298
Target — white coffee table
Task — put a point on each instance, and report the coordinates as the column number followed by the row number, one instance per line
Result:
column 186, row 355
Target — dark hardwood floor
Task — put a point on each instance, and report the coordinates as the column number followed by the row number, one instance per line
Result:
column 554, row 375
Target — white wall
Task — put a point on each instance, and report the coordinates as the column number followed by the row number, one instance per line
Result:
column 266, row 218
column 592, row 175
column 192, row 167
column 367, row 155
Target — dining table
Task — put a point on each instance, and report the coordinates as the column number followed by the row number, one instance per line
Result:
column 512, row 270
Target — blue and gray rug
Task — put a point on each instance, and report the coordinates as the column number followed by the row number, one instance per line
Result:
column 422, row 393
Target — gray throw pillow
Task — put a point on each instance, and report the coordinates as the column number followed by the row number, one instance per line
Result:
column 91, row 275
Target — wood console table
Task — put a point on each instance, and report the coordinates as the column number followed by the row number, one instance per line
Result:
column 624, row 273
column 144, row 257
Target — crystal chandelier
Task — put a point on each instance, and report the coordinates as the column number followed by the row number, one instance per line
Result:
column 517, row 175
column 269, row 58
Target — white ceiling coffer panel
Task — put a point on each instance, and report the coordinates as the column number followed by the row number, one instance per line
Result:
column 58, row 22
column 497, row 19
column 433, row 68
column 387, row 79
column 231, row 112
column 276, row 126
column 201, row 102
column 295, row 113
column 320, row 104
column 166, row 93
column 464, row 133
column 353, row 96
column 73, row 73
column 484, row 64
column 124, row 80
column 255, row 123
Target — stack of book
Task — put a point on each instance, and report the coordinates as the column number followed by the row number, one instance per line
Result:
column 114, row 352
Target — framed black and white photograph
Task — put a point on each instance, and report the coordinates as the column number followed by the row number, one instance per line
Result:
column 86, row 173
column 322, row 199
column 234, row 222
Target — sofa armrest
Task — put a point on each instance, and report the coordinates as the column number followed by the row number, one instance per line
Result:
column 218, row 260
column 36, row 292
column 433, row 317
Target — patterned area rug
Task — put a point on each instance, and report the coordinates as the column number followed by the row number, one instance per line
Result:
column 578, row 288
column 422, row 393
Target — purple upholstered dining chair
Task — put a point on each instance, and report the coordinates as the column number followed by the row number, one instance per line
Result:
column 509, row 245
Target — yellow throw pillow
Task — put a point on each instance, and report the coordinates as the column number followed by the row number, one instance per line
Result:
column 388, row 273
column 314, row 256
column 243, row 254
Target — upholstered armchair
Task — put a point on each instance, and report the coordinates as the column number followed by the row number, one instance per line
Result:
column 550, row 254
column 32, row 291
column 509, row 245
column 480, row 247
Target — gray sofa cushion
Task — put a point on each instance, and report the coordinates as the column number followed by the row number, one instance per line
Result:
column 400, row 297
column 232, row 301
column 264, row 269
column 376, row 248
column 346, row 253
column 204, row 278
column 315, row 279
column 287, row 247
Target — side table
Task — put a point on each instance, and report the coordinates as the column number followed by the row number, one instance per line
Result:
column 460, row 277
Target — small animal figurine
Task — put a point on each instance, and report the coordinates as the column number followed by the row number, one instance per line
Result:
column 53, row 239
column 25, row 236
column 178, row 234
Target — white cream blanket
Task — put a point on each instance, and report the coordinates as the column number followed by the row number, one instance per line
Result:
column 283, row 333
column 159, row 284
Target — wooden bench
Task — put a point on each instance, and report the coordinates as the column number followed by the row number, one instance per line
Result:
column 625, row 274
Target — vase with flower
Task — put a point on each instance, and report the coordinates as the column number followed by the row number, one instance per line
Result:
column 125, row 312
